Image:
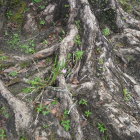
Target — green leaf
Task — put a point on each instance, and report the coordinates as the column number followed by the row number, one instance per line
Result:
column 46, row 112
column 54, row 102
column 27, row 90
column 101, row 127
column 42, row 6
column 83, row 102
column 88, row 113
column 40, row 108
column 37, row 1
column 42, row 22
column 66, row 124
column 13, row 73
column 106, row 31
column 2, row 133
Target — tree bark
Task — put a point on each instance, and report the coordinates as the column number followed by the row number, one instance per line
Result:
column 106, row 76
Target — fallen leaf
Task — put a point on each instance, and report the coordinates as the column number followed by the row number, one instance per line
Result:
column 38, row 55
column 75, row 81
column 54, row 111
column 47, row 102
column 84, row 123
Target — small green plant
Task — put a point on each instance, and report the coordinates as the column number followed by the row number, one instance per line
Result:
column 29, row 47
column 126, row 94
column 46, row 126
column 56, row 71
column 27, row 90
column 78, row 40
column 55, row 102
column 13, row 73
column 40, row 108
column 42, row 7
column 42, row 22
column 106, row 31
column 2, row 58
column 69, row 56
column 66, row 113
column 126, row 5
column 14, row 40
column 35, row 81
column 31, row 43
column 101, row 61
column 66, row 124
column 23, row 138
column 88, row 113
column 2, row 133
column 66, row 5
column 9, row 14
column 43, row 109
column 6, row 33
column 78, row 55
column 83, row 102
column 98, row 50
column 37, row 1
column 35, row 84
column 24, row 64
column 45, row 42
column 4, row 112
column 78, row 24
column 27, row 9
column 130, row 58
column 53, row 23
column 62, row 34
column 46, row 112
column 102, row 127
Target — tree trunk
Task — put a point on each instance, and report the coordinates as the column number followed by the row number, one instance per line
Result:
column 69, row 69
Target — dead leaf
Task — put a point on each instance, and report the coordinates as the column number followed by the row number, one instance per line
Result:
column 47, row 102
column 41, row 64
column 23, row 70
column 38, row 55
column 84, row 123
column 54, row 111
column 75, row 81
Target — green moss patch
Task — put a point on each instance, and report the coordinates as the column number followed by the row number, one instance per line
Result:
column 16, row 12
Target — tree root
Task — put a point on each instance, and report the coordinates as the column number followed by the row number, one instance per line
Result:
column 106, row 92
column 22, row 112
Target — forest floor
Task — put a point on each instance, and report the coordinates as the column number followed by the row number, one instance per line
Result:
column 29, row 67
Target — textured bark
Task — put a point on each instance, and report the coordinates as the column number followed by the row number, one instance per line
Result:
column 107, row 76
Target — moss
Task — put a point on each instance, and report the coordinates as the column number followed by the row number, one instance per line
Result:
column 4, row 66
column 119, row 45
column 1, row 52
column 18, row 16
column 14, row 2
column 127, row 6
column 1, row 2
column 25, row 64
column 18, row 9
column 109, row 18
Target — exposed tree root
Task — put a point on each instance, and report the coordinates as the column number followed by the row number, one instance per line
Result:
column 23, row 115
column 112, row 94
